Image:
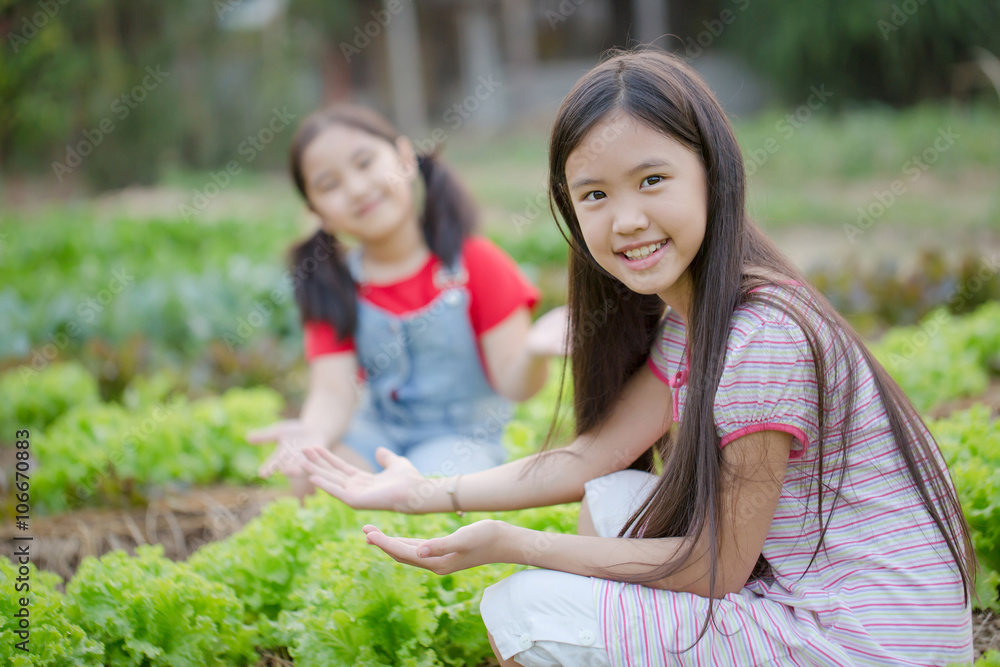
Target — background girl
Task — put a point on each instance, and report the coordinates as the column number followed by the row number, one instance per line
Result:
column 802, row 513
column 435, row 319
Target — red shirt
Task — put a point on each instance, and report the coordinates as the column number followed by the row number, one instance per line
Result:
column 497, row 288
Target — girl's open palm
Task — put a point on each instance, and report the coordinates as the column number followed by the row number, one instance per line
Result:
column 292, row 436
column 479, row 543
column 395, row 488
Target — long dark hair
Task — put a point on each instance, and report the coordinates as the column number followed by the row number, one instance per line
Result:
column 324, row 288
column 735, row 258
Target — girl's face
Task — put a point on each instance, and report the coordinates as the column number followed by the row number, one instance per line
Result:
column 359, row 183
column 642, row 201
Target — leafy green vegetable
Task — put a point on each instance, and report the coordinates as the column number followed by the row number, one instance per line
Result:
column 54, row 640
column 107, row 453
column 944, row 357
column 147, row 610
column 970, row 443
column 33, row 399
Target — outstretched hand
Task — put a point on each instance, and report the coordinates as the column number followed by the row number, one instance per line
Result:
column 479, row 543
column 395, row 488
column 547, row 336
column 292, row 436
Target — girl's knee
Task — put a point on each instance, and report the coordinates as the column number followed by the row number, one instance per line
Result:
column 544, row 617
column 613, row 498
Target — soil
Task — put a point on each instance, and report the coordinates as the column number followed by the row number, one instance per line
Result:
column 180, row 522
column 991, row 398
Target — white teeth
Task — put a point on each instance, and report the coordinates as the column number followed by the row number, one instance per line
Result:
column 644, row 251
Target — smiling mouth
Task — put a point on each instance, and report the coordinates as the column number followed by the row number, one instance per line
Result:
column 367, row 208
column 642, row 252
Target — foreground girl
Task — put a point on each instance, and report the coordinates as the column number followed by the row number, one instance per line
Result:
column 802, row 515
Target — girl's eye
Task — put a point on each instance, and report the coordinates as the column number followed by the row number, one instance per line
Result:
column 363, row 164
column 594, row 195
column 652, row 180
column 326, row 186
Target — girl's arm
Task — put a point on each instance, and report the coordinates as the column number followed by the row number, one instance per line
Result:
column 754, row 469
column 641, row 415
column 517, row 353
column 333, row 390
column 325, row 414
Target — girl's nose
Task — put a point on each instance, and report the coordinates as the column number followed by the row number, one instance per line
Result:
column 357, row 186
column 629, row 220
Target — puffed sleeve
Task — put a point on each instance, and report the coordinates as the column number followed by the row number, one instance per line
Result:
column 768, row 384
column 497, row 285
column 319, row 338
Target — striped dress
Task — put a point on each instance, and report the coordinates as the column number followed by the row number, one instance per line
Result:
column 885, row 590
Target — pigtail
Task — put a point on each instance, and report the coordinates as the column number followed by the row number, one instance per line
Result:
column 449, row 215
column 322, row 283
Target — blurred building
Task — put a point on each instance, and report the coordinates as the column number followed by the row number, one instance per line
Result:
column 443, row 65
column 485, row 64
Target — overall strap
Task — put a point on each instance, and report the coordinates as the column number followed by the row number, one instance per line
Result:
column 451, row 275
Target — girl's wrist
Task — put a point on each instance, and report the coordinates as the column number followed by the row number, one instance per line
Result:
column 518, row 545
column 426, row 495
column 508, row 542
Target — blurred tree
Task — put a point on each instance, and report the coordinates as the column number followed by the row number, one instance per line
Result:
column 38, row 64
column 121, row 88
column 893, row 51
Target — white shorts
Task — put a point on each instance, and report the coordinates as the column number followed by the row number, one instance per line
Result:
column 545, row 618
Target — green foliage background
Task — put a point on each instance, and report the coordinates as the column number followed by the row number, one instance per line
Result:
column 892, row 51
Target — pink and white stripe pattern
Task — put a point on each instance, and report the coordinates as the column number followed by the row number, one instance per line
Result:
column 884, row 591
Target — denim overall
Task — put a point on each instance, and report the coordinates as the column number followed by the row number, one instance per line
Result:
column 426, row 395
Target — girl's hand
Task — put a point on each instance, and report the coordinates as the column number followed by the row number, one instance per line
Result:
column 479, row 543
column 547, row 336
column 292, row 437
column 396, row 488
